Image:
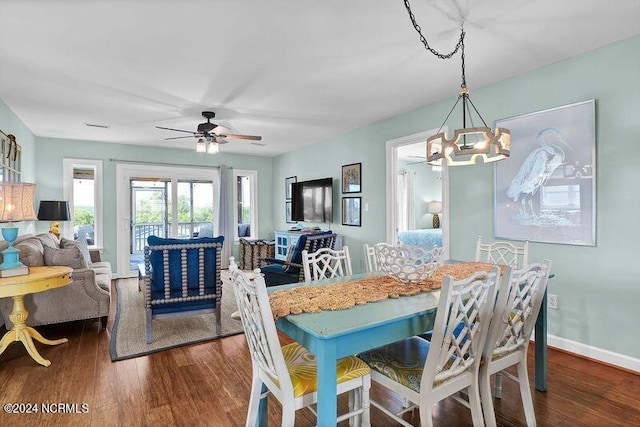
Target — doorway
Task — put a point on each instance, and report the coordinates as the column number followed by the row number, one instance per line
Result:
column 412, row 186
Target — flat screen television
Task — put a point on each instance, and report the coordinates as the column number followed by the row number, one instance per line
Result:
column 312, row 201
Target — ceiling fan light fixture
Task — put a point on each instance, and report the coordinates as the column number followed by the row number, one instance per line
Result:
column 213, row 148
column 201, row 146
column 209, row 135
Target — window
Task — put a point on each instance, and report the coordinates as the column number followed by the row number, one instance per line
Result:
column 83, row 190
column 10, row 158
column 245, row 214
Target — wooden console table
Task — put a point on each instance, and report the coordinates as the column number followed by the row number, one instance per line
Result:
column 39, row 279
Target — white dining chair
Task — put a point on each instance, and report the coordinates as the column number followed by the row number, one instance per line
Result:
column 370, row 261
column 502, row 253
column 426, row 372
column 289, row 372
column 519, row 301
column 326, row 263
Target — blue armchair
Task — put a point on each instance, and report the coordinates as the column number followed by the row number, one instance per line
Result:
column 182, row 277
column 290, row 271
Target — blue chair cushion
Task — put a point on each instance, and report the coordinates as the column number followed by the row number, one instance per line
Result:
column 296, row 253
column 175, row 273
column 274, row 275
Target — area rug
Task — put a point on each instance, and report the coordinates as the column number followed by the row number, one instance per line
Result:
column 129, row 328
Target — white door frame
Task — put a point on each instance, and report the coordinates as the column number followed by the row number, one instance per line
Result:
column 392, row 196
column 124, row 173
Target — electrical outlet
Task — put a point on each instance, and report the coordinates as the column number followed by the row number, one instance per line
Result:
column 552, row 301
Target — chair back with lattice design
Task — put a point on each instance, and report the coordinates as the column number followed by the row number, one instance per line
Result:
column 460, row 328
column 326, row 263
column 519, row 301
column 259, row 327
column 504, row 253
column 370, row 261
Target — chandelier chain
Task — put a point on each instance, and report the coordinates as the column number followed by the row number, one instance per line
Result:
column 426, row 43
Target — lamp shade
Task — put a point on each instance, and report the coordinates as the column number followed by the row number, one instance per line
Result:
column 16, row 201
column 434, row 207
column 54, row 210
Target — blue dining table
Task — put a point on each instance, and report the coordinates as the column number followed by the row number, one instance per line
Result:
column 331, row 335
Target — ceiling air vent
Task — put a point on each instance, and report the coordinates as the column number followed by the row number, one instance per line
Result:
column 95, row 125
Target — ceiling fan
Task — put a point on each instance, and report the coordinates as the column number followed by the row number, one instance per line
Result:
column 211, row 132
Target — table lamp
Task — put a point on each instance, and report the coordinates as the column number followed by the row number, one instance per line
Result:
column 55, row 211
column 435, row 207
column 16, row 204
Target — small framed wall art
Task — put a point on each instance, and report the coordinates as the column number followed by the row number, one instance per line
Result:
column 287, row 186
column 351, row 211
column 352, row 178
column 287, row 206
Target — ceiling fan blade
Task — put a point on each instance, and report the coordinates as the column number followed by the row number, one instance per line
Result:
column 176, row 130
column 218, row 130
column 180, row 137
column 220, row 140
column 238, row 136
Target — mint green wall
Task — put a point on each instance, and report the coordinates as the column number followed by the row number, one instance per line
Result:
column 11, row 124
column 598, row 287
column 50, row 153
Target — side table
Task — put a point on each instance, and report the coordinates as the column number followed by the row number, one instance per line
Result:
column 39, row 279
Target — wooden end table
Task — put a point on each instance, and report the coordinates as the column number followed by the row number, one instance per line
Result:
column 39, row 279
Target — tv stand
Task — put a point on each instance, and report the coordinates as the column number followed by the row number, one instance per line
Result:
column 287, row 238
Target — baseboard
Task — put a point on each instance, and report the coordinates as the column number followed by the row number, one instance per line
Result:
column 605, row 356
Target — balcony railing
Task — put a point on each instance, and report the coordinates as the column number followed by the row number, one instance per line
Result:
column 143, row 230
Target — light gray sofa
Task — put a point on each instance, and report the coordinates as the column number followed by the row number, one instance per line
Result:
column 87, row 296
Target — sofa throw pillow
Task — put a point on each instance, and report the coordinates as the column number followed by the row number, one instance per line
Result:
column 31, row 252
column 81, row 244
column 206, row 230
column 49, row 239
column 69, row 257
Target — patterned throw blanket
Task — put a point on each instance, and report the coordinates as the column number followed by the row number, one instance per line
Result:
column 344, row 295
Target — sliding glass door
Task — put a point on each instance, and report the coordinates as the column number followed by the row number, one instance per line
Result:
column 194, row 206
column 155, row 202
column 149, row 212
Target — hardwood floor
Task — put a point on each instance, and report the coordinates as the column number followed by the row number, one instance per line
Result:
column 208, row 385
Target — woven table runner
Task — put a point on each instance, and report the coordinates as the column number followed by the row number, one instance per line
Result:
column 344, row 295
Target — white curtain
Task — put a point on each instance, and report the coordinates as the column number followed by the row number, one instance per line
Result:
column 406, row 207
column 225, row 217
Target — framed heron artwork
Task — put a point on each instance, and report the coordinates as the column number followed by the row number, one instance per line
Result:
column 546, row 190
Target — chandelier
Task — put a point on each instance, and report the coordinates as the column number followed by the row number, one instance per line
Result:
column 469, row 144
column 207, row 145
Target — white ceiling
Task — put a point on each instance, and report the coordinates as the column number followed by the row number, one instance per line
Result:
column 293, row 71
